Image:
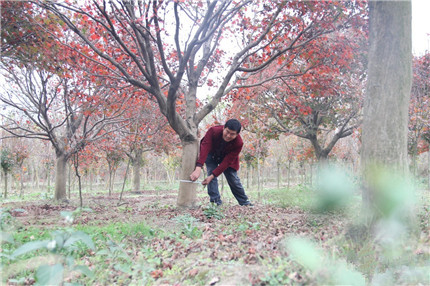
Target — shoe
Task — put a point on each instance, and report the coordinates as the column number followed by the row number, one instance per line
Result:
column 218, row 203
column 248, row 204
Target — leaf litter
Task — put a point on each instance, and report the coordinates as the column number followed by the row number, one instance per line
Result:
column 234, row 250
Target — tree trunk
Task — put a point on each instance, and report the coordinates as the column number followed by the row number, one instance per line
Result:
column 21, row 183
column 36, row 177
column 69, row 188
column 187, row 195
column 247, row 175
column 91, row 178
column 258, row 175
column 60, row 178
column 5, row 184
column 137, row 160
column 385, row 112
column 428, row 169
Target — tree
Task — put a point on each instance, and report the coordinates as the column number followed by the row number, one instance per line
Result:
column 48, row 95
column 147, row 131
column 385, row 114
column 55, row 107
column 419, row 108
column 6, row 163
column 172, row 48
column 254, row 153
column 317, row 98
column 20, row 31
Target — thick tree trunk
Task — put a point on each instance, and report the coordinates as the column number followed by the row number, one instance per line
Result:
column 187, row 196
column 385, row 113
column 61, row 178
column 136, row 170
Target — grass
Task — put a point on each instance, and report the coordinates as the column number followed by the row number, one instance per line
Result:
column 299, row 196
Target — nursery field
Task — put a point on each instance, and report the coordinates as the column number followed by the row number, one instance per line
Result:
column 146, row 240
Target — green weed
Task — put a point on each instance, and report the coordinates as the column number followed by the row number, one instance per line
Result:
column 213, row 211
column 51, row 259
column 189, row 228
column 243, row 226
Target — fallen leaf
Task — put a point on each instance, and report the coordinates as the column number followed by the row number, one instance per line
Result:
column 214, row 281
column 193, row 272
column 157, row 273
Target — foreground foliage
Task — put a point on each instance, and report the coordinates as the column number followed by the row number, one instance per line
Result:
column 148, row 242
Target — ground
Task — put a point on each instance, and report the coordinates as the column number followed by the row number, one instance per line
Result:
column 229, row 245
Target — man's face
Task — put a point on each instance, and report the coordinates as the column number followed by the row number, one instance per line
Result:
column 228, row 134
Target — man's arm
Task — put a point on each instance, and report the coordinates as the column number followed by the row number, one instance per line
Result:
column 205, row 147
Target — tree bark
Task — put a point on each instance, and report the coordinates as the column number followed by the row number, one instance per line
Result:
column 187, row 196
column 60, row 177
column 385, row 113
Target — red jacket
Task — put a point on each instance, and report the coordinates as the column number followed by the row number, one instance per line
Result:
column 209, row 144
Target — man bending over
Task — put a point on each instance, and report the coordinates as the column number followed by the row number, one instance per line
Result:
column 220, row 149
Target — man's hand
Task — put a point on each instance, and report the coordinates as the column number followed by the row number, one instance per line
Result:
column 208, row 180
column 196, row 173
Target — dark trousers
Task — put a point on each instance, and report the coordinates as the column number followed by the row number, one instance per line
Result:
column 232, row 180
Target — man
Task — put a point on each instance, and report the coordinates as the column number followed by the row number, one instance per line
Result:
column 220, row 149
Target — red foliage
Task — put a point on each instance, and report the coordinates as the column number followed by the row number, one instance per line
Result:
column 419, row 108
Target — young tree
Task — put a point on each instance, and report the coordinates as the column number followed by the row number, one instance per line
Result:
column 6, row 163
column 173, row 48
column 385, row 115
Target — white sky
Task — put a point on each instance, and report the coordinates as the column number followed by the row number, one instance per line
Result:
column 420, row 26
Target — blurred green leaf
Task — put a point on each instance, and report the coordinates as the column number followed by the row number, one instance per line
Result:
column 28, row 247
column 50, row 274
column 80, row 236
column 334, row 188
column 6, row 237
column 84, row 270
column 305, row 253
column 394, row 195
column 343, row 275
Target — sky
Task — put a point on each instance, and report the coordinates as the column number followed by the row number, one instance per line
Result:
column 420, row 26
